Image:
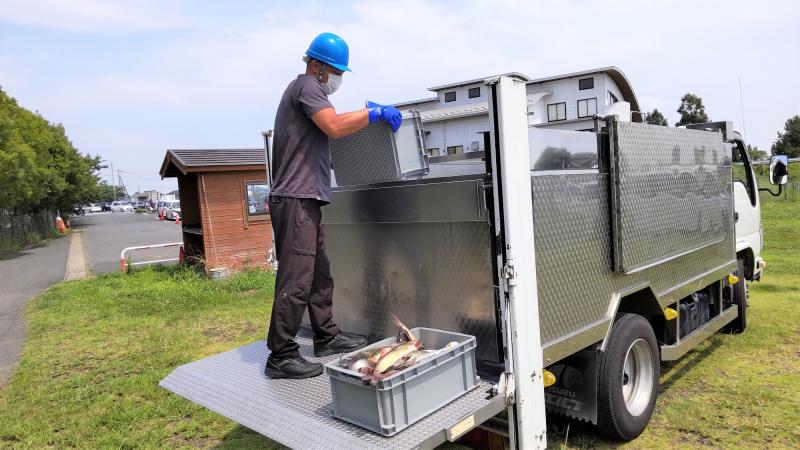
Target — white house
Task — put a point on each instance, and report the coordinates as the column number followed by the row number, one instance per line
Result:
column 172, row 196
column 456, row 119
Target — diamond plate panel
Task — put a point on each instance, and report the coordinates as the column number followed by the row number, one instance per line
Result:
column 376, row 154
column 674, row 191
column 296, row 413
column 365, row 157
column 573, row 254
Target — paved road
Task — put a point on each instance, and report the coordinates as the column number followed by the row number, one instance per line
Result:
column 22, row 276
column 106, row 234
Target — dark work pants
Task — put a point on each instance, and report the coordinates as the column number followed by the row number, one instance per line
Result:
column 304, row 275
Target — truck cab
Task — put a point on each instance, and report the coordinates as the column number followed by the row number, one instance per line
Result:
column 747, row 205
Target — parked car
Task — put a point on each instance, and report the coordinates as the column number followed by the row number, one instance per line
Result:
column 78, row 211
column 172, row 210
column 120, row 206
column 105, row 207
column 92, row 208
column 161, row 207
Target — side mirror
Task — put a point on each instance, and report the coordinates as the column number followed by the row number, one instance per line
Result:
column 779, row 169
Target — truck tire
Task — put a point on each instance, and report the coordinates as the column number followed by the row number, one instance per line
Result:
column 740, row 300
column 628, row 377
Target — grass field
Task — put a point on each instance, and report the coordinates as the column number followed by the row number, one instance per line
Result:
column 96, row 350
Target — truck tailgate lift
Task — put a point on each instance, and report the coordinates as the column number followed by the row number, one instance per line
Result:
column 299, row 413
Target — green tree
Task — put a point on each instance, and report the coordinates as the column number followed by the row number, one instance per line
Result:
column 755, row 153
column 40, row 167
column 106, row 193
column 692, row 110
column 788, row 142
column 656, row 118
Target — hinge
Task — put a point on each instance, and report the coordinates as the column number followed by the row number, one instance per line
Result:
column 508, row 272
column 506, row 388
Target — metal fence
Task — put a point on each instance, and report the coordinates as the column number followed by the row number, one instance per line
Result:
column 18, row 231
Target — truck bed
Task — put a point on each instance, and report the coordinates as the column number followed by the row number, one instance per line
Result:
column 299, row 413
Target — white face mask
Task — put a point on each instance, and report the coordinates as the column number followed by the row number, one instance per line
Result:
column 333, row 83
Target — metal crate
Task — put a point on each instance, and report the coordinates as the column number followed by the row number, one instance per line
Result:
column 406, row 397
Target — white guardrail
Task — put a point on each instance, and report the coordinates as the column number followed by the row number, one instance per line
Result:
column 123, row 261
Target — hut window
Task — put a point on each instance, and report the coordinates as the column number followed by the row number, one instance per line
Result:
column 257, row 199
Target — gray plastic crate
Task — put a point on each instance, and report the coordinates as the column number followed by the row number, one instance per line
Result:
column 405, row 397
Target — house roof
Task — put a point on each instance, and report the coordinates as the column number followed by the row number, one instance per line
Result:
column 469, row 109
column 615, row 73
column 175, row 192
column 414, row 102
column 184, row 161
column 478, row 80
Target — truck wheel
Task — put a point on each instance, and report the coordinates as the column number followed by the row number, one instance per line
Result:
column 628, row 378
column 740, row 300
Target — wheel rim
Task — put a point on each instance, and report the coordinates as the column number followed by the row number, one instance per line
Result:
column 637, row 377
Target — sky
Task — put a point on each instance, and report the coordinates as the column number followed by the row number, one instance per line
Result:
column 130, row 79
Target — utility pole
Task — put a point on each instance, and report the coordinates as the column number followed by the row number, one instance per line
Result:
column 122, row 184
column 113, row 185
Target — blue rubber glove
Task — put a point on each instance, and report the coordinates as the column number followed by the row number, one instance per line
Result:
column 387, row 113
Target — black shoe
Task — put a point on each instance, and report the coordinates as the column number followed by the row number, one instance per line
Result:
column 342, row 343
column 294, row 367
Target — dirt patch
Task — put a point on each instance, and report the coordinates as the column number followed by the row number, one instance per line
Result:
column 214, row 332
column 179, row 441
column 220, row 334
column 693, row 437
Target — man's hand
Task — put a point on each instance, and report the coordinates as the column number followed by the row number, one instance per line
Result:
column 387, row 113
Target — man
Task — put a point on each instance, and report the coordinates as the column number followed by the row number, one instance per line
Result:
column 301, row 184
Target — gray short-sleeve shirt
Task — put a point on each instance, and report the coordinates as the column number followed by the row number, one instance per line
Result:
column 301, row 159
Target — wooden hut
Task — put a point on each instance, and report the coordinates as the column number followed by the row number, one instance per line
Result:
column 224, row 210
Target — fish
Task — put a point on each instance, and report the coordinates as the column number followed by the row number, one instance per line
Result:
column 359, row 364
column 450, row 345
column 397, row 355
column 403, row 330
column 364, row 359
column 418, row 356
column 374, row 355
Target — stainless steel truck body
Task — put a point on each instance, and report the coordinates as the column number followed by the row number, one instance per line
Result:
column 630, row 229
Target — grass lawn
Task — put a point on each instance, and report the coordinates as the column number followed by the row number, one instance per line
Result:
column 96, row 350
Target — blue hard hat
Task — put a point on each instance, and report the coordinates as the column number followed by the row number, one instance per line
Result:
column 330, row 49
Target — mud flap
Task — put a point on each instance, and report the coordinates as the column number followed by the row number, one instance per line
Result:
column 575, row 392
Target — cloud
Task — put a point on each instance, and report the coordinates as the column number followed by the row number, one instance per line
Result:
column 92, row 16
column 217, row 81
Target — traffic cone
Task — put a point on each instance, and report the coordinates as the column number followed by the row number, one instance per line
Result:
column 177, row 220
column 60, row 224
column 161, row 215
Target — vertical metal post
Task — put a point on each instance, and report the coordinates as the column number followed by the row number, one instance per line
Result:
column 271, row 256
column 517, row 262
column 113, row 184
